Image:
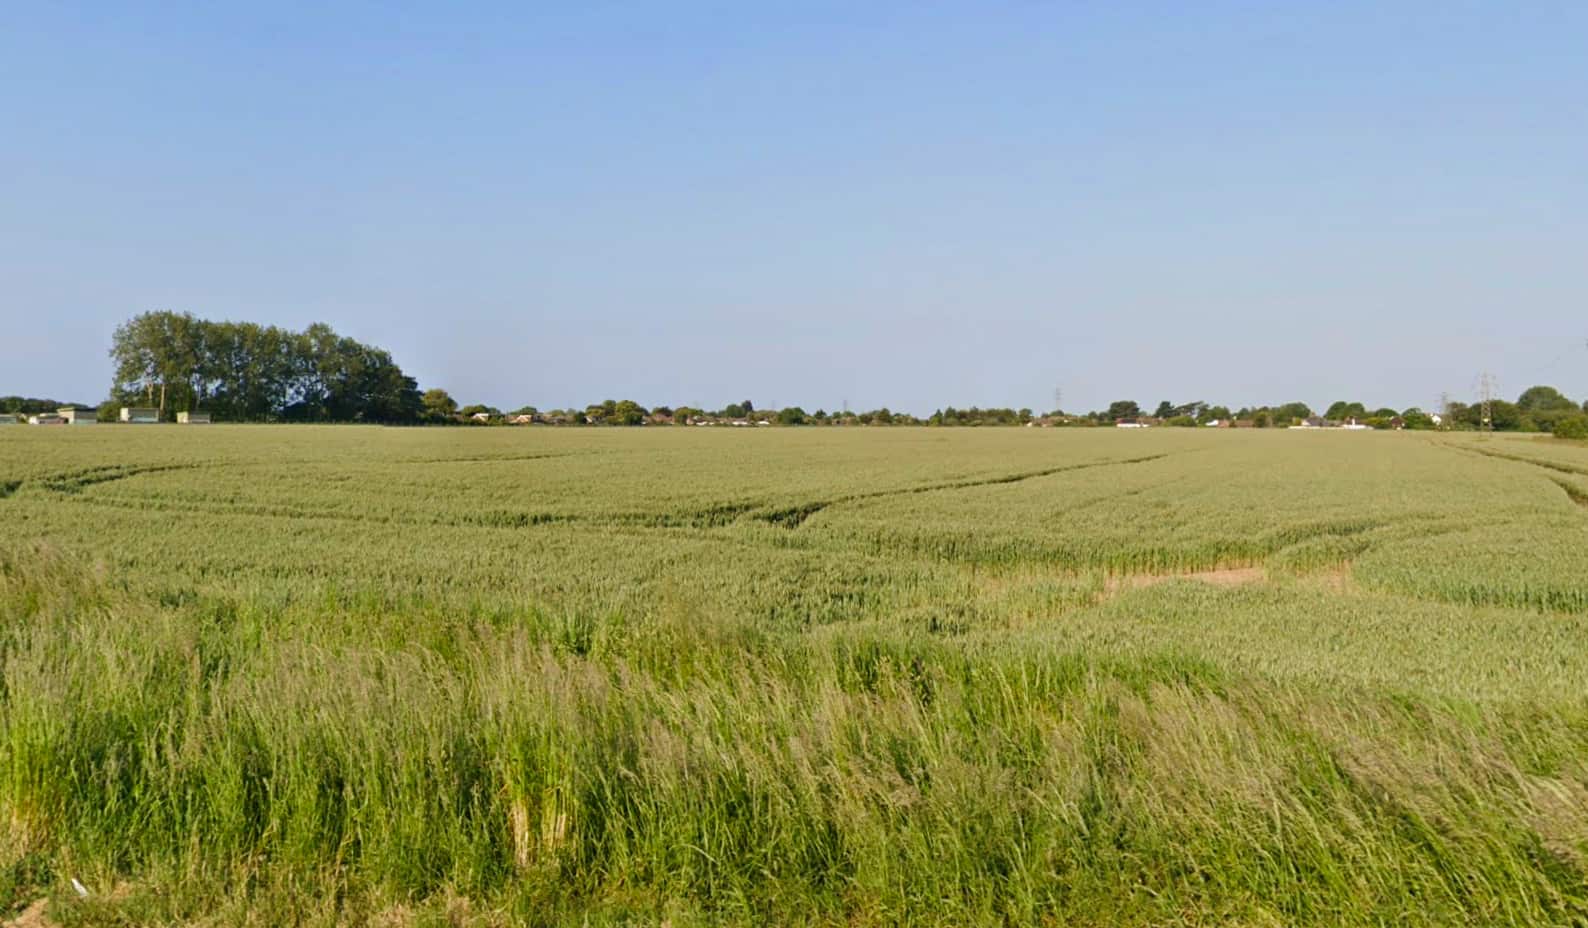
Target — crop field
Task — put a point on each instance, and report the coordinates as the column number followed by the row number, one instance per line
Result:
column 344, row 675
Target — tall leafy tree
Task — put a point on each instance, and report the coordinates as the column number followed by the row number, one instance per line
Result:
column 438, row 404
column 1543, row 399
column 1544, row 408
column 1290, row 412
column 1340, row 409
column 1123, row 409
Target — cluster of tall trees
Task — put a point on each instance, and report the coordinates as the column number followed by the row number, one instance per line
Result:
column 244, row 371
column 1538, row 409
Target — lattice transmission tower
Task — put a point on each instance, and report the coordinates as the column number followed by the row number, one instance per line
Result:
column 1486, row 390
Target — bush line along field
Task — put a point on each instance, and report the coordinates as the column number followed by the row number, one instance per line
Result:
column 336, row 675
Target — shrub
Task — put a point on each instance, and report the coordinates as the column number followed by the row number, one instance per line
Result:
column 1572, row 427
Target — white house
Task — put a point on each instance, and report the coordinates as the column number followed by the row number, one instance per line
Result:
column 193, row 418
column 140, row 415
column 77, row 416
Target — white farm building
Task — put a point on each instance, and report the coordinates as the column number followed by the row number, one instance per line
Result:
column 140, row 415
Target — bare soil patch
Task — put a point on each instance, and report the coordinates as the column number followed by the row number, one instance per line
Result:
column 1224, row 576
column 32, row 917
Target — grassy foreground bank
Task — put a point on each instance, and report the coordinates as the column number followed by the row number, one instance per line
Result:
column 213, row 759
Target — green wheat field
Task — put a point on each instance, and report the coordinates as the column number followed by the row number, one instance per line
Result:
column 343, row 675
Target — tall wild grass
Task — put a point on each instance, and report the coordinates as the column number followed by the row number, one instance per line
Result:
column 239, row 760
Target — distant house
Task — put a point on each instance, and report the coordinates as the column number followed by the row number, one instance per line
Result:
column 8, row 418
column 1397, row 423
column 1244, row 424
column 74, row 415
column 481, row 417
column 140, row 415
column 46, row 418
column 1130, row 424
column 193, row 418
column 1318, row 422
column 521, row 419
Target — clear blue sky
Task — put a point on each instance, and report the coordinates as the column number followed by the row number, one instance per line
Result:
column 903, row 204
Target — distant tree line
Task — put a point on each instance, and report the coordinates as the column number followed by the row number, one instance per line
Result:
column 247, row 372
column 975, row 416
column 439, row 406
column 29, row 405
column 1542, row 409
column 1538, row 409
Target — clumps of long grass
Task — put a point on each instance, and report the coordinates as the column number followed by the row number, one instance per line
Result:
column 223, row 758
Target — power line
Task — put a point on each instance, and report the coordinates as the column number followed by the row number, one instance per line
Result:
column 1583, row 343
